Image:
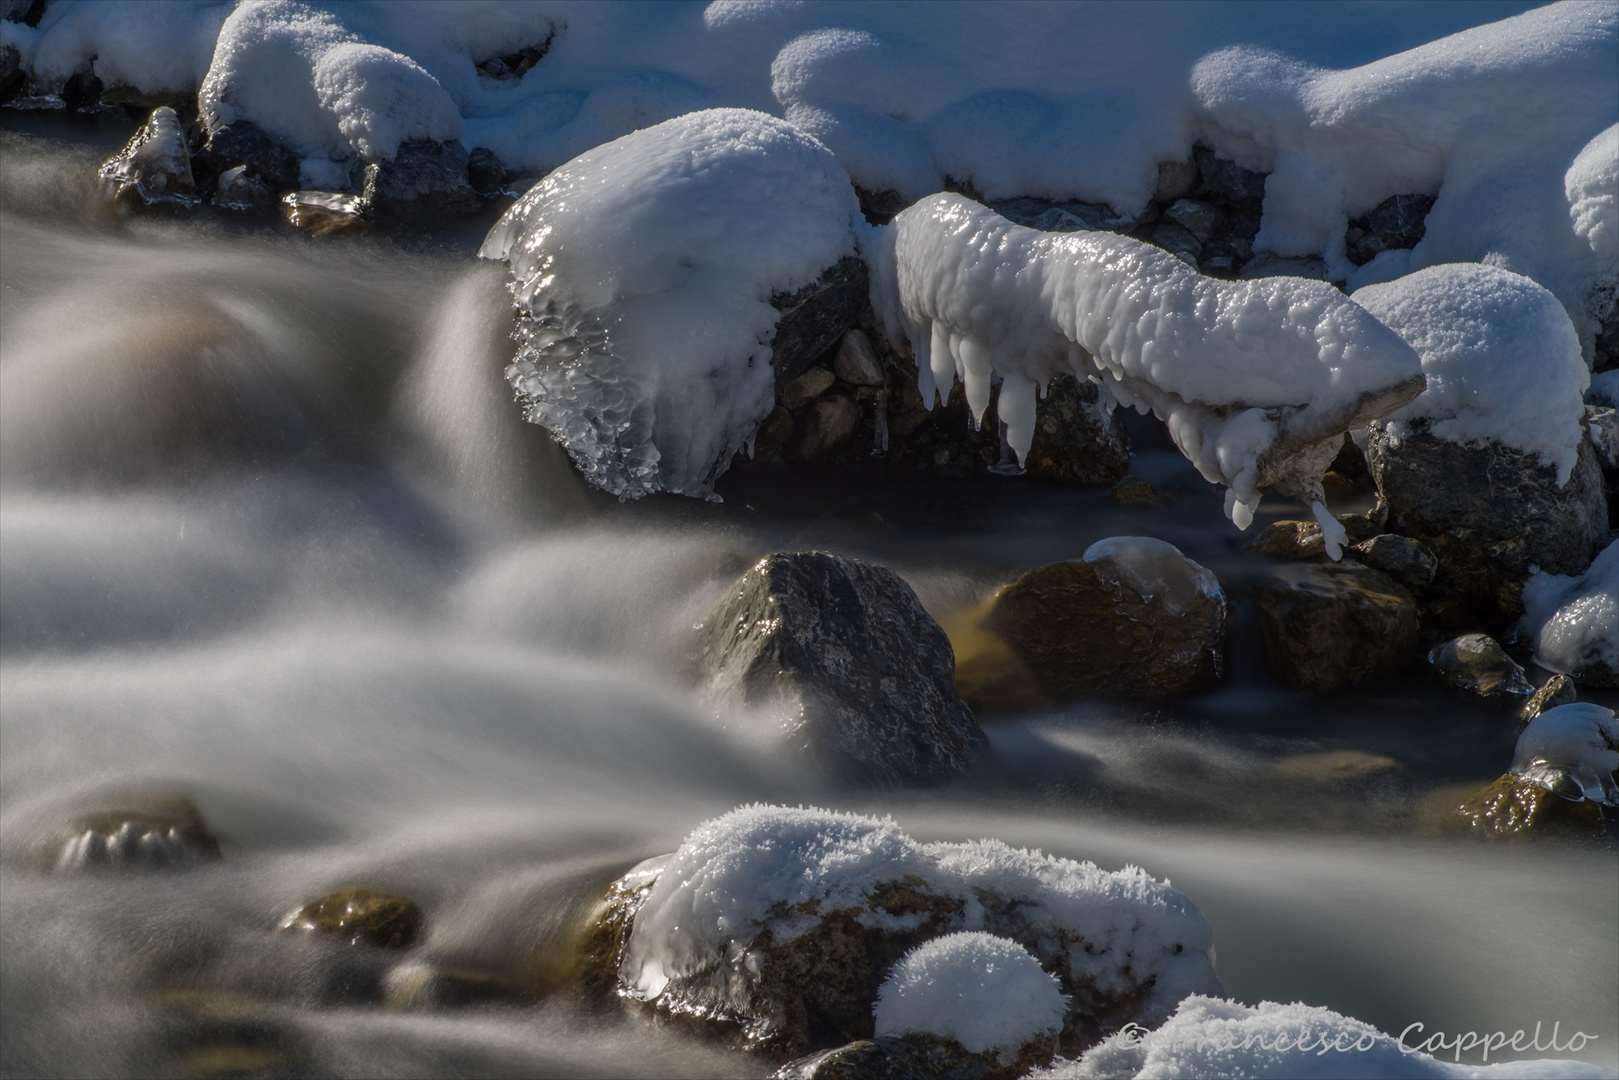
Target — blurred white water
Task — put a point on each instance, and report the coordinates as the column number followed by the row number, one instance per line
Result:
column 271, row 534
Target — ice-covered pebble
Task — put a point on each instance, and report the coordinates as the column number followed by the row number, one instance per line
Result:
column 1571, row 751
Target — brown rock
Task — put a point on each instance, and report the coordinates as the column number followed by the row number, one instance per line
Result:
column 1558, row 690
column 1476, row 665
column 808, row 386
column 1512, row 807
column 1327, row 626
column 857, row 363
column 360, row 916
column 1134, row 491
column 1410, row 562
column 830, row 425
column 1083, row 627
column 1302, row 539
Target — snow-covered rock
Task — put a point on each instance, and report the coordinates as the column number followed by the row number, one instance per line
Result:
column 1571, row 751
column 1208, row 1038
column 644, row 271
column 1257, row 380
column 1574, row 620
column 782, row 924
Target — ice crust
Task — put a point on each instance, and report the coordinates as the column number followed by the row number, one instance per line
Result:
column 1575, row 619
column 1215, row 1038
column 743, row 871
column 643, row 272
column 987, row 993
column 1571, row 750
column 1153, row 568
column 1257, row 380
column 1501, row 357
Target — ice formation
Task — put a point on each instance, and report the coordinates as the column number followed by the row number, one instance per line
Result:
column 1257, row 380
column 1210, row 1037
column 155, row 165
column 1571, row 750
column 986, row 992
column 1153, row 568
column 1501, row 357
column 1575, row 620
column 643, row 273
column 740, row 872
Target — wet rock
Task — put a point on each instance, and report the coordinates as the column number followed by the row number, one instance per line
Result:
column 1226, row 180
column 154, row 166
column 1514, row 808
column 1176, row 180
column 1303, row 540
column 1178, row 241
column 1133, row 616
column 1201, row 219
column 360, row 916
column 242, row 192
column 1078, row 438
column 1558, row 690
column 132, row 831
column 1410, row 562
column 425, row 183
column 808, row 386
column 830, row 425
column 1602, row 431
column 245, row 143
column 485, row 172
column 905, row 1057
column 1134, row 491
column 857, row 363
column 1487, row 513
column 426, row 984
column 1327, row 626
column 862, row 675
column 322, row 213
column 1476, row 665
column 816, row 316
column 992, row 678
column 773, row 434
column 1268, row 265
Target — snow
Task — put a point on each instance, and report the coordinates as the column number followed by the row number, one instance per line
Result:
column 1257, row 380
column 987, row 993
column 645, row 269
column 1502, row 359
column 1592, row 187
column 742, row 872
column 1575, row 619
column 1153, row 568
column 1578, row 741
column 151, row 45
column 1213, row 1038
column 1604, row 389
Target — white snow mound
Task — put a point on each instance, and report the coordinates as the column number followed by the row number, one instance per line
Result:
column 643, row 271
column 1571, row 750
column 1210, row 1038
column 1502, row 360
column 1574, row 620
column 1257, row 380
column 987, row 993
column 1592, row 186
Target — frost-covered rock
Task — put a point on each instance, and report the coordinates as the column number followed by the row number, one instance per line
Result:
column 1571, row 751
column 1257, row 380
column 844, row 656
column 1476, row 665
column 1131, row 616
column 780, row 924
column 644, row 271
column 1209, row 1038
column 1574, row 620
column 154, row 166
column 1326, row 627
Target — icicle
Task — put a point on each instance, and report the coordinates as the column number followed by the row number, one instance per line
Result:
column 1332, row 530
column 1016, row 407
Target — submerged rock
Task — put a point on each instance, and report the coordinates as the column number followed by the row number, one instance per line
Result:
column 861, row 675
column 1078, row 437
column 427, row 984
column 1327, row 626
column 1488, row 513
column 1558, row 690
column 1132, row 616
column 1476, row 665
column 1511, row 807
column 154, row 166
column 360, row 916
column 147, row 831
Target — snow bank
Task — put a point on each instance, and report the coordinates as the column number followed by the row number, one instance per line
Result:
column 644, row 271
column 1208, row 1038
column 154, row 46
column 1502, row 360
column 1257, row 380
column 1575, row 620
column 985, row 992
column 767, row 865
column 1572, row 750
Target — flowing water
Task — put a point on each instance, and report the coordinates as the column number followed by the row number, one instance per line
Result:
column 273, row 536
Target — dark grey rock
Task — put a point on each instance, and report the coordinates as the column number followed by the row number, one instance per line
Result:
column 1402, row 216
column 863, row 675
column 245, row 143
column 1602, row 431
column 857, row 363
column 485, row 172
column 1410, row 562
column 1558, row 690
column 514, row 65
column 1176, row 180
column 1268, row 265
column 1330, row 625
column 880, row 207
column 425, row 182
column 1178, row 241
column 1134, row 491
column 829, row 426
column 1476, row 665
column 1077, row 438
column 1201, row 219
column 1048, row 216
column 1226, row 180
column 239, row 191
column 816, row 316
column 1487, row 513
